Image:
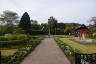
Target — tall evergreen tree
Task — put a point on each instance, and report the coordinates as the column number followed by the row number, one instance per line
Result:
column 25, row 22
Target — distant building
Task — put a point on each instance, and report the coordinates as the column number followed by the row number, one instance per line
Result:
column 82, row 31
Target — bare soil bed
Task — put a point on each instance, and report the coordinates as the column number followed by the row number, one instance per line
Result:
column 8, row 52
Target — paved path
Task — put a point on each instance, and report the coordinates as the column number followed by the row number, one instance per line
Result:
column 47, row 52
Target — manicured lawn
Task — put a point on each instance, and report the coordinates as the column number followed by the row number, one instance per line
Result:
column 83, row 48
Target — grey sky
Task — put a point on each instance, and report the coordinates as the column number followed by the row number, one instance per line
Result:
column 79, row 11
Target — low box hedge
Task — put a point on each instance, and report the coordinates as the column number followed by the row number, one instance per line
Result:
column 17, row 57
column 13, row 40
column 13, row 37
column 10, row 43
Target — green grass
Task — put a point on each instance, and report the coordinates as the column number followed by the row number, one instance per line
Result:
column 83, row 48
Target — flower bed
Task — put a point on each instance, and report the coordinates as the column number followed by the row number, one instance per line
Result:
column 69, row 51
column 22, row 52
column 71, row 47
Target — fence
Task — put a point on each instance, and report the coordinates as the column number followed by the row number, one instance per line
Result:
column 85, row 58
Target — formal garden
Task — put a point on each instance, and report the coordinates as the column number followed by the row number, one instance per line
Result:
column 18, row 38
column 80, row 47
column 16, row 42
column 70, row 47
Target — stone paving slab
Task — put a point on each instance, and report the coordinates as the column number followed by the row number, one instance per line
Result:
column 48, row 52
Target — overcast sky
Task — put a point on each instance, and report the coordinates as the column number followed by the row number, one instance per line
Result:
column 78, row 11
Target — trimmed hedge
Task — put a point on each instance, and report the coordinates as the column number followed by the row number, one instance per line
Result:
column 12, row 40
column 10, row 43
column 17, row 57
column 13, row 37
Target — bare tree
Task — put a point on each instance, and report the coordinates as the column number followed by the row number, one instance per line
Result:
column 93, row 20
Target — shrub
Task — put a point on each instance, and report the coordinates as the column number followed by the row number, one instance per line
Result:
column 19, row 31
column 3, row 38
column 4, row 59
column 13, row 37
column 92, row 35
column 20, row 37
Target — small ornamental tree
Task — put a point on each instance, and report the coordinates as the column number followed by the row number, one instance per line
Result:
column 25, row 23
column 52, row 23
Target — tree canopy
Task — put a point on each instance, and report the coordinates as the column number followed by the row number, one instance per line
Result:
column 8, row 17
column 25, row 22
column 52, row 23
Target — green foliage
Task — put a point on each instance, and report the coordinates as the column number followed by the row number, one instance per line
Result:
column 2, row 30
column 61, row 26
column 6, row 29
column 25, row 22
column 19, row 31
column 2, row 38
column 67, row 30
column 13, row 37
column 4, row 59
column 35, row 27
column 93, row 29
column 12, row 40
column 69, row 27
column 8, row 16
column 23, row 52
column 92, row 35
column 52, row 24
column 44, row 27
